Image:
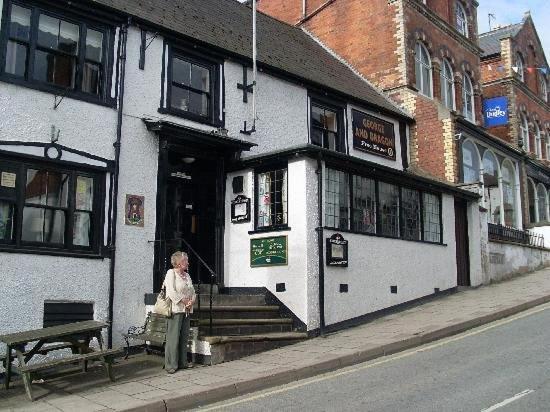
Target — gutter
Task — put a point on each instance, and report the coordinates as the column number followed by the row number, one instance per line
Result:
column 114, row 199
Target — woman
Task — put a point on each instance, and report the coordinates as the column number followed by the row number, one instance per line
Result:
column 179, row 288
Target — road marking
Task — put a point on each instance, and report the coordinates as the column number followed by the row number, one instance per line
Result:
column 335, row 374
column 509, row 400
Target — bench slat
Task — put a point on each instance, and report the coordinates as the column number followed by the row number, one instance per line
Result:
column 70, row 359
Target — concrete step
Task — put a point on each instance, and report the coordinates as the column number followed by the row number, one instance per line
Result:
column 234, row 330
column 246, row 322
column 264, row 337
column 232, row 300
column 241, row 312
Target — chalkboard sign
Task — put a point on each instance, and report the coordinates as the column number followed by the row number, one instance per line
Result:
column 268, row 251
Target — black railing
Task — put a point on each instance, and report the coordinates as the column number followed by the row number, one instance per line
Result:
column 213, row 279
column 510, row 234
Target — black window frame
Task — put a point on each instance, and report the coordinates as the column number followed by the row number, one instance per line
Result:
column 257, row 172
column 340, row 110
column 20, row 166
column 378, row 215
column 84, row 23
column 199, row 59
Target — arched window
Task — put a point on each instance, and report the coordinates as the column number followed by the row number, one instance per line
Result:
column 520, row 67
column 547, row 144
column 538, row 141
column 423, row 69
column 468, row 99
column 542, row 203
column 470, row 162
column 461, row 20
column 509, row 193
column 491, row 187
column 543, row 88
column 532, row 201
column 447, row 85
column 524, row 132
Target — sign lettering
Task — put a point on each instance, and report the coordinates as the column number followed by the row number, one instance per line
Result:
column 268, row 251
column 495, row 111
column 373, row 135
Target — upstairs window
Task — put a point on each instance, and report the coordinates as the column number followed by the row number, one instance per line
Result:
column 54, row 51
column 191, row 85
column 423, row 69
column 520, row 67
column 538, row 141
column 461, row 20
column 447, row 85
column 325, row 127
column 524, row 132
column 470, row 163
column 468, row 106
column 543, row 88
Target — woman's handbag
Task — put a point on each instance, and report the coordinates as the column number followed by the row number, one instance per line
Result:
column 163, row 305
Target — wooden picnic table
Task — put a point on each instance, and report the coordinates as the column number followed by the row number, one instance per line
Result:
column 76, row 336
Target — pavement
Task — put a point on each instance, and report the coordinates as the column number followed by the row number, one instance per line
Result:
column 143, row 386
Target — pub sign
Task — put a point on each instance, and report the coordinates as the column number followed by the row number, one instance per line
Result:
column 373, row 135
column 240, row 209
column 495, row 111
column 337, row 251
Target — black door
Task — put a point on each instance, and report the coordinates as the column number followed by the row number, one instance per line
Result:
column 462, row 243
column 188, row 213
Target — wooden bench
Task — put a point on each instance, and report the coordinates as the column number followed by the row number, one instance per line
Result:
column 106, row 356
column 44, row 351
column 154, row 331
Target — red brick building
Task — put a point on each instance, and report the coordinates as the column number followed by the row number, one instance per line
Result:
column 513, row 65
column 425, row 55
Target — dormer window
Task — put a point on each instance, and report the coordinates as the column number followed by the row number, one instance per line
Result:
column 461, row 20
column 54, row 52
column 325, row 127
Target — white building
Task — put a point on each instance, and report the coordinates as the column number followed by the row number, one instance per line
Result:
column 168, row 86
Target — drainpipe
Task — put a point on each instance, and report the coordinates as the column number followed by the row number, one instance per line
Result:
column 320, row 244
column 114, row 200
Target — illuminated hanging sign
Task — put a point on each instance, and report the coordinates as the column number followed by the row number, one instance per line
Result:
column 373, row 135
column 495, row 111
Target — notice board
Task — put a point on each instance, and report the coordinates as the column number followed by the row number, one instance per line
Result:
column 269, row 251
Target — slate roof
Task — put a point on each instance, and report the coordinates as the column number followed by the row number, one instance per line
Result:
column 490, row 41
column 227, row 24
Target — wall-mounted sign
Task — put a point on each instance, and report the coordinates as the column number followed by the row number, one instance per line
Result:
column 268, row 251
column 240, row 209
column 134, row 210
column 337, row 251
column 495, row 111
column 373, row 135
column 8, row 179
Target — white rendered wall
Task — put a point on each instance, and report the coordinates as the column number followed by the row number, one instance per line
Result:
column 238, row 272
column 508, row 260
column 376, row 263
column 544, row 231
column 395, row 164
column 475, row 242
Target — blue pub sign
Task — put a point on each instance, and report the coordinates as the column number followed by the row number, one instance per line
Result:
column 495, row 111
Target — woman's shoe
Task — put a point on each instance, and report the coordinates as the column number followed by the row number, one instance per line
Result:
column 170, row 371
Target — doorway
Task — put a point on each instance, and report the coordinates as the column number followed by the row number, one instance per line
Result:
column 462, row 243
column 189, row 212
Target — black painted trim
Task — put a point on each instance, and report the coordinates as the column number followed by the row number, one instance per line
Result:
column 269, row 229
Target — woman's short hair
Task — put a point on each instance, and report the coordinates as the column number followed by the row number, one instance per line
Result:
column 177, row 256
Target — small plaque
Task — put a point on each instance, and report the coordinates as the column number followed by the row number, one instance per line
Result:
column 337, row 251
column 135, row 210
column 240, row 209
column 8, row 179
column 268, row 251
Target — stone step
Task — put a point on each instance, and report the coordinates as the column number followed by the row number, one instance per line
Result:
column 246, row 322
column 241, row 312
column 232, row 300
column 234, row 330
column 256, row 338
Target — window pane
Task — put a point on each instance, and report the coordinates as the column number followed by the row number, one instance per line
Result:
column 200, row 78
column 43, row 225
column 426, row 85
column 181, row 71
column 46, row 188
column 94, row 45
column 411, row 214
column 364, row 205
column 20, row 23
column 84, row 197
column 470, row 163
column 198, row 103
column 82, row 231
column 58, row 35
column 91, row 78
column 16, row 59
column 54, row 68
column 432, row 218
column 541, row 194
column 389, row 209
column 36, row 190
column 317, row 116
column 337, row 199
column 6, row 221
column 180, row 99
column 317, row 136
column 58, row 186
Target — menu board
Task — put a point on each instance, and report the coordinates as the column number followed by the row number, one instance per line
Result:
column 268, row 251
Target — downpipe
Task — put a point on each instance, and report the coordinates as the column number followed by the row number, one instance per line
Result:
column 319, row 230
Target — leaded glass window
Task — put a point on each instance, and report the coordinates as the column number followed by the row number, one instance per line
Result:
column 432, row 218
column 337, row 207
column 410, row 200
column 364, row 204
column 271, row 200
column 389, row 209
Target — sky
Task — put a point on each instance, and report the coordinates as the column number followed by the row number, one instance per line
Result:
column 512, row 11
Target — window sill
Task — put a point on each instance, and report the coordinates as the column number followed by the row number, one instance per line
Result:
column 50, row 252
column 269, row 229
column 110, row 102
column 190, row 116
column 384, row 236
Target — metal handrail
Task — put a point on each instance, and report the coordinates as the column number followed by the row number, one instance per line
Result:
column 213, row 278
column 510, row 234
